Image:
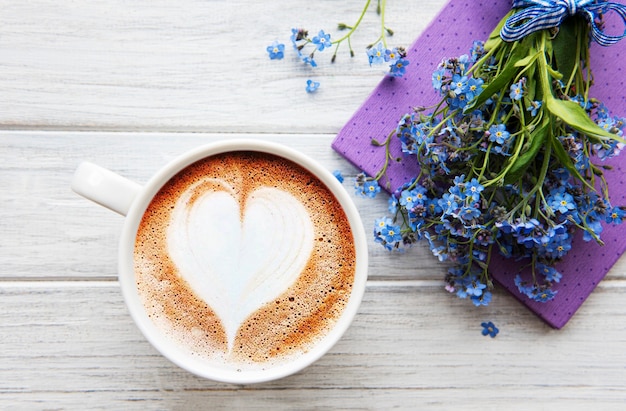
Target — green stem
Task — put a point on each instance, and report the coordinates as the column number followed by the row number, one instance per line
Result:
column 485, row 163
column 543, row 70
column 383, row 170
column 382, row 23
column 355, row 25
column 540, row 180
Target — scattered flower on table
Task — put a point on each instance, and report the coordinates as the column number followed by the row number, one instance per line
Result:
column 312, row 86
column 511, row 156
column 377, row 52
column 489, row 329
column 276, row 50
column 338, row 175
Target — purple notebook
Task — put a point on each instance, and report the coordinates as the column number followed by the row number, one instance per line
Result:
column 449, row 35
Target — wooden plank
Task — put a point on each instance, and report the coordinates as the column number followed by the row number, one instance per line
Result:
column 513, row 399
column 50, row 232
column 189, row 65
column 72, row 344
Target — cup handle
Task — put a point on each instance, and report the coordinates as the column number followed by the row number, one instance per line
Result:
column 104, row 187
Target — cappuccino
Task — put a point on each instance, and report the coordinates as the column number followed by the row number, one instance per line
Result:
column 245, row 258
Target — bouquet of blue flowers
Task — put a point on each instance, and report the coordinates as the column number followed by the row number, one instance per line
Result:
column 511, row 158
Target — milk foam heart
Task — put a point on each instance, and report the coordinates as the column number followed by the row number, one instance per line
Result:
column 238, row 254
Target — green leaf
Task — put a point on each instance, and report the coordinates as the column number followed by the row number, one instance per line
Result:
column 553, row 73
column 536, row 140
column 564, row 48
column 528, row 59
column 576, row 117
column 502, row 80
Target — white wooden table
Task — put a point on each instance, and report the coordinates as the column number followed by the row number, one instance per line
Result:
column 130, row 85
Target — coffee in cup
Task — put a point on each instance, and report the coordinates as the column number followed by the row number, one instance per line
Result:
column 245, row 258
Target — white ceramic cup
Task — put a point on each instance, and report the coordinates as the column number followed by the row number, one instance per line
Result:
column 131, row 200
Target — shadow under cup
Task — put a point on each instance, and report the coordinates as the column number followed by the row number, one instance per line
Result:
column 243, row 261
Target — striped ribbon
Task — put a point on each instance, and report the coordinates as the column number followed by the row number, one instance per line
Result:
column 534, row 15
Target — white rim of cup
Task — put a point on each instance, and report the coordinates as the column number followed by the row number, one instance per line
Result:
column 182, row 357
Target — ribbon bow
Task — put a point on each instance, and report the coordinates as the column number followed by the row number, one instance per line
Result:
column 535, row 15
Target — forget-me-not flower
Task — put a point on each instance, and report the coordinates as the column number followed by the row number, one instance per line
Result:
column 489, row 329
column 311, row 86
column 517, row 90
column 376, row 54
column 498, row 133
column 322, row 41
column 276, row 50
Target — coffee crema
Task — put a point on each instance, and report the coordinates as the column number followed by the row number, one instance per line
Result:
column 245, row 258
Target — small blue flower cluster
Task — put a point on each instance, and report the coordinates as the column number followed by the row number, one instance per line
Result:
column 468, row 285
column 306, row 47
column 300, row 39
column 473, row 197
column 603, row 150
column 395, row 58
column 366, row 186
column 387, row 233
column 453, row 80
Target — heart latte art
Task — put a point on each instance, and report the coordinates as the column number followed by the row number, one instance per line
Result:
column 244, row 258
column 238, row 253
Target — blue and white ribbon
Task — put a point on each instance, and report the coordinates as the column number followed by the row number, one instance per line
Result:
column 535, row 15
